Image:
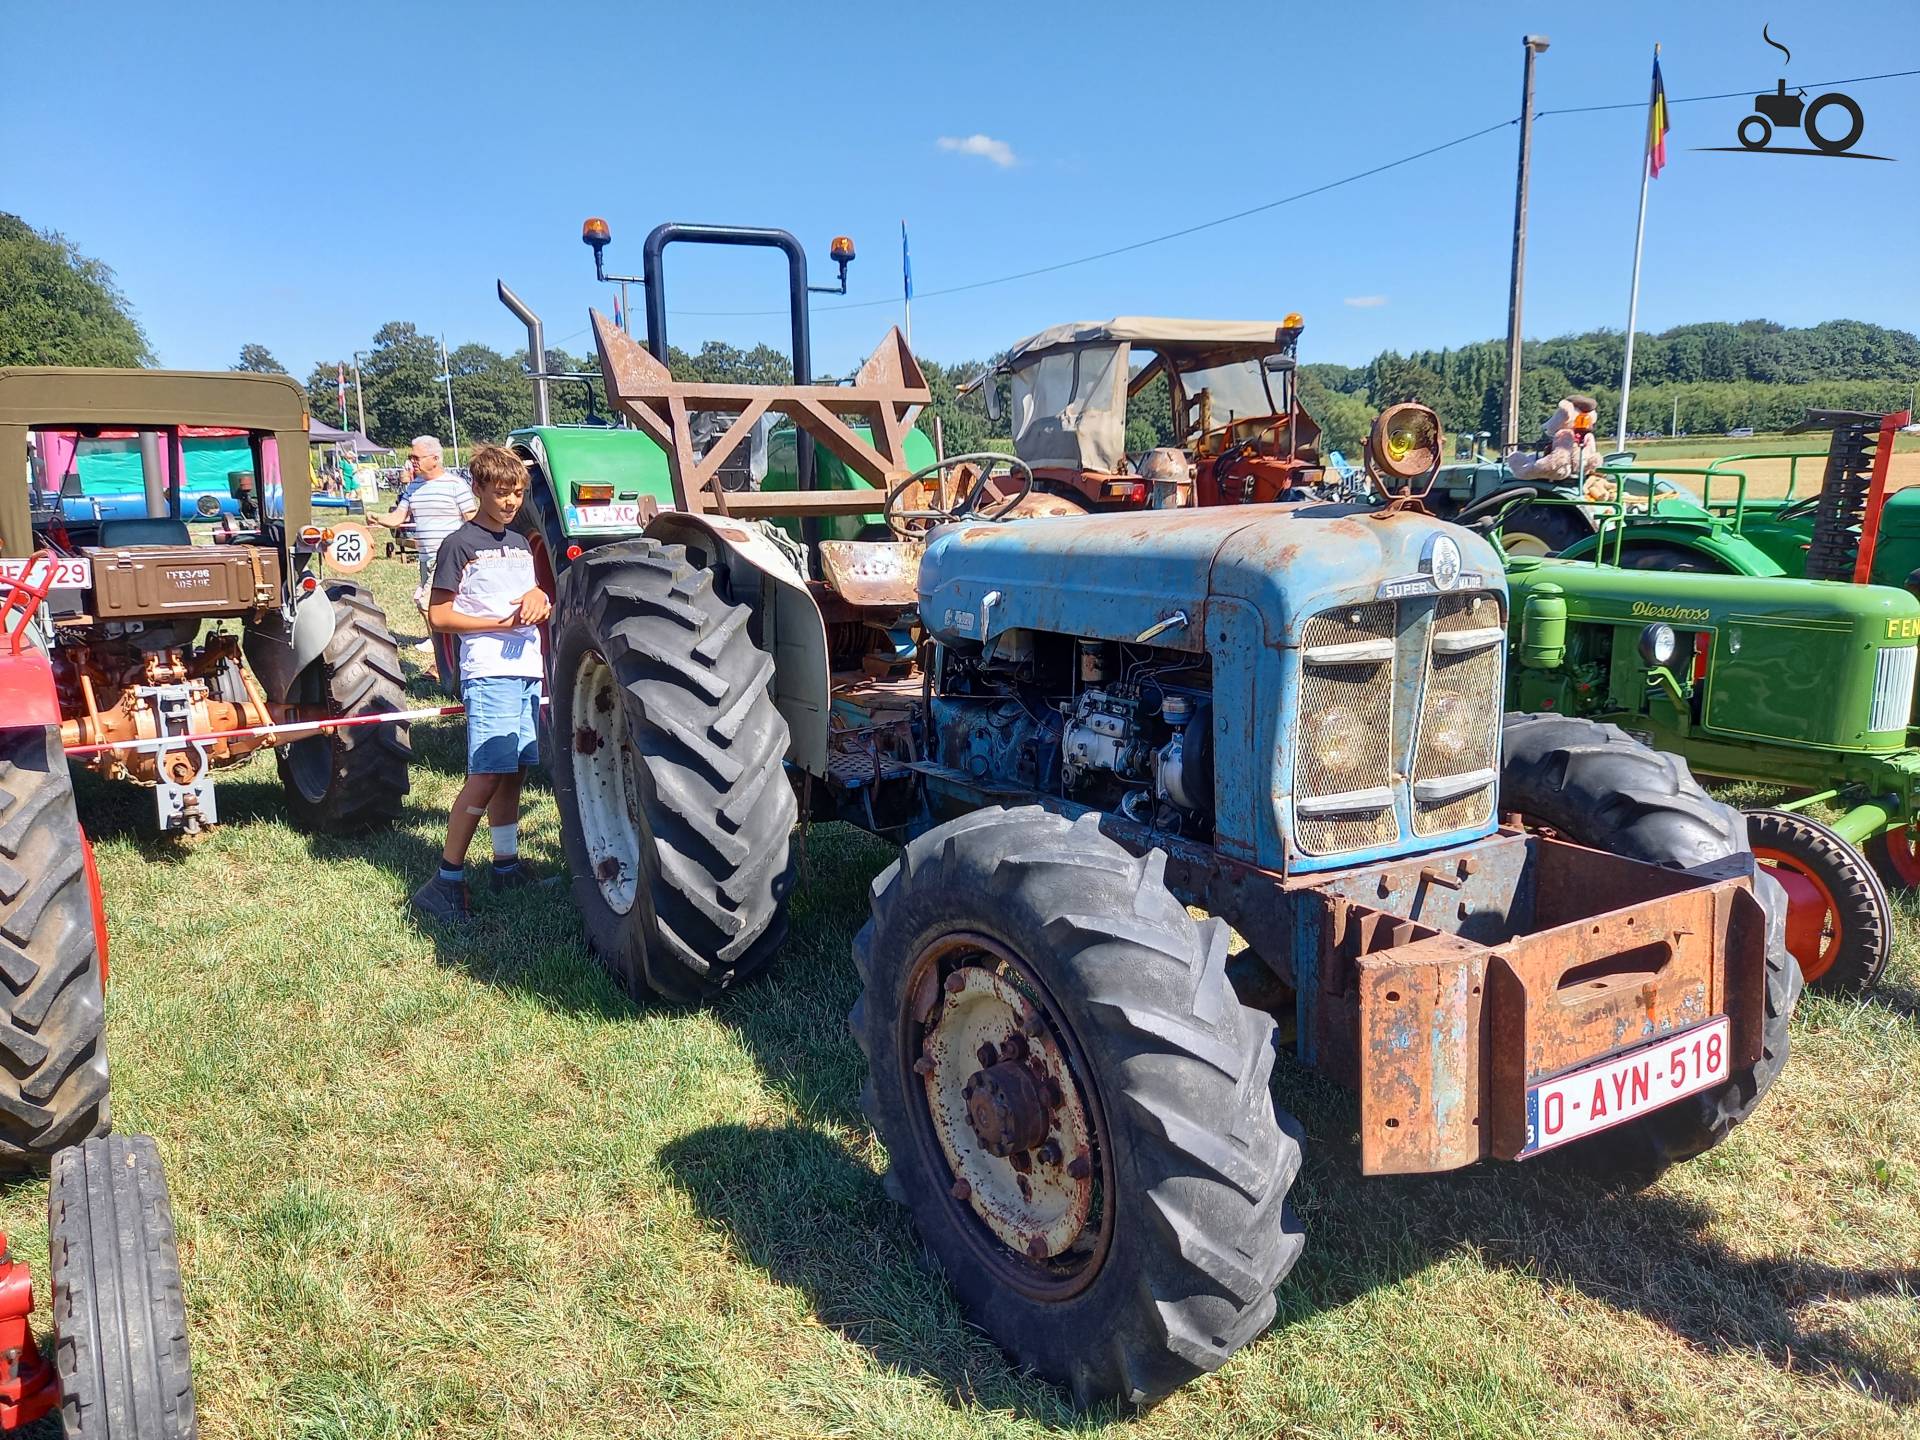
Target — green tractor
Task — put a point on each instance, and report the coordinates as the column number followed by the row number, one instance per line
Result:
column 1790, row 683
column 1847, row 528
column 1081, row 730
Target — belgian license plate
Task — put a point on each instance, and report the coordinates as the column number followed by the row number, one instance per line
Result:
column 1597, row 1096
column 68, row 571
column 624, row 514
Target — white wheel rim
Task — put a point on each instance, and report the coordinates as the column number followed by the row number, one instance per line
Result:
column 604, row 791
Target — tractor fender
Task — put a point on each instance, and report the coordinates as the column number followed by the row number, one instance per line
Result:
column 27, row 696
column 1731, row 552
column 278, row 652
column 787, row 620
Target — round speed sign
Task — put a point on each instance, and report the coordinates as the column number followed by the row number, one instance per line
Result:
column 350, row 549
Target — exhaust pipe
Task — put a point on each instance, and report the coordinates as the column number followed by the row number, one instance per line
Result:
column 536, row 349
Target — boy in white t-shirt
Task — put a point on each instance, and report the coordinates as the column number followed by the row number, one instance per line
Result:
column 484, row 590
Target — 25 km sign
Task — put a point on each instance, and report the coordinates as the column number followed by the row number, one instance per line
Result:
column 350, row 549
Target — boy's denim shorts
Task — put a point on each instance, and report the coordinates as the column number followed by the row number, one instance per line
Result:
column 503, row 732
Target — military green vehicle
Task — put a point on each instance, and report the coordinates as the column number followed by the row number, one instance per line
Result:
column 1796, row 684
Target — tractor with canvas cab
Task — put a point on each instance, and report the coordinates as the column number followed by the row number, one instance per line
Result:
column 1525, row 938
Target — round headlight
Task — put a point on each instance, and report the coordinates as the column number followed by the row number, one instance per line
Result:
column 1657, row 644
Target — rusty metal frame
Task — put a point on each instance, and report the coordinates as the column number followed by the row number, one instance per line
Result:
column 885, row 392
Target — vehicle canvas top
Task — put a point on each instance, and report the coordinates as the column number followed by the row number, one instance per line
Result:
column 82, row 398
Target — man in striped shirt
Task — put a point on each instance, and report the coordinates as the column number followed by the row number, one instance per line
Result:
column 438, row 504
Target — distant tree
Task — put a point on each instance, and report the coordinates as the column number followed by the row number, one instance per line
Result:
column 59, row 307
column 258, row 360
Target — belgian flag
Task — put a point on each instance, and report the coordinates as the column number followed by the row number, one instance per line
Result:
column 1657, row 123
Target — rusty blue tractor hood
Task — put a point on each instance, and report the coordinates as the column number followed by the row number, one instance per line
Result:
column 1156, row 573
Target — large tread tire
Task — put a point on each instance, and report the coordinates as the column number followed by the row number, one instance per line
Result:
column 355, row 778
column 53, row 1055
column 1550, row 528
column 1850, row 889
column 715, row 811
column 1202, row 1162
column 119, row 1318
column 1598, row 786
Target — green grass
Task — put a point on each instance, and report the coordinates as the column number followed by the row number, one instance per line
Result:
column 461, row 1187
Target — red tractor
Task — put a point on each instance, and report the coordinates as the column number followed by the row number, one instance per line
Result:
column 118, row 1366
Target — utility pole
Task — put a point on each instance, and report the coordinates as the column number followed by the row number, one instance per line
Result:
column 1534, row 45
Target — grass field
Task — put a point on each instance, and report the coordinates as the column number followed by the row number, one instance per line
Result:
column 460, row 1187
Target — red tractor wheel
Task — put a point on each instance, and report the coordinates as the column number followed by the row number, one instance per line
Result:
column 1895, row 854
column 1839, row 922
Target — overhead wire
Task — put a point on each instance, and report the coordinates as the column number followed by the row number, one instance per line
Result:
column 1265, row 206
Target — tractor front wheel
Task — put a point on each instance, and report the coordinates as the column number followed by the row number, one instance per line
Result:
column 119, row 1321
column 669, row 771
column 1074, row 1102
column 356, row 777
column 53, row 1055
column 1895, row 854
column 1839, row 922
column 1597, row 786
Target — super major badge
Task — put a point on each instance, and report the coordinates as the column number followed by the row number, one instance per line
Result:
column 1832, row 123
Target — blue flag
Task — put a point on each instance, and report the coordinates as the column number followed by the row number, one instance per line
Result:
column 906, row 262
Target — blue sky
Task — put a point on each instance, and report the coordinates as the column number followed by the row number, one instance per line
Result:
column 297, row 176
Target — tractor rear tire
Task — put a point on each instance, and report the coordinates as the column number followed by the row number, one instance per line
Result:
column 669, row 772
column 1172, row 1267
column 1856, row 910
column 119, row 1320
column 1677, row 558
column 1598, row 786
column 355, row 778
column 1544, row 529
column 53, row 1055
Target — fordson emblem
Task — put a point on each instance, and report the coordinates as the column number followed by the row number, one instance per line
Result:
column 1442, row 562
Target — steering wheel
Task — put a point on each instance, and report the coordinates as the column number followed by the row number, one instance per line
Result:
column 980, row 465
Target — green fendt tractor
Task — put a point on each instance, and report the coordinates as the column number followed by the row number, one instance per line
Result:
column 1796, row 684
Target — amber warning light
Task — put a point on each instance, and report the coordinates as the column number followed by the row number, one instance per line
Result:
column 595, row 232
column 842, row 249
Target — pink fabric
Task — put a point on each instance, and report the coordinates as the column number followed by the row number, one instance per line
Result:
column 56, row 453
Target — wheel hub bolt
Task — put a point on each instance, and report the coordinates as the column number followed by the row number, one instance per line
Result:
column 961, row 1190
column 986, row 1055
column 956, row 982
column 923, row 1066
column 1014, row 1047
column 1080, row 1167
column 1037, row 1248
column 1049, row 1153
column 1006, row 1109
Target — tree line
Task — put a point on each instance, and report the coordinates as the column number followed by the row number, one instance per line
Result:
column 60, row 307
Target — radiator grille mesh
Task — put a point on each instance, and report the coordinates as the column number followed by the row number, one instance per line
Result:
column 1346, row 731
column 1460, row 716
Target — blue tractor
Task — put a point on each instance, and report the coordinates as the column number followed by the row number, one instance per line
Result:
column 1512, row 937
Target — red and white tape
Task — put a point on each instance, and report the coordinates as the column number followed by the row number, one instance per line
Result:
column 282, row 732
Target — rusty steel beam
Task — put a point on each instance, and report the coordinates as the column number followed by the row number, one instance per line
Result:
column 888, row 387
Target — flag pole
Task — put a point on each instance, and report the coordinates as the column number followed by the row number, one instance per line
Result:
column 1633, row 294
column 906, row 286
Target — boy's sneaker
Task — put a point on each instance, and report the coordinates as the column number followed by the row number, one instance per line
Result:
column 518, row 877
column 442, row 900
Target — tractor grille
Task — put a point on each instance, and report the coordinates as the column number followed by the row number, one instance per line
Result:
column 1459, row 731
column 1343, row 785
column 1351, row 765
column 1892, row 689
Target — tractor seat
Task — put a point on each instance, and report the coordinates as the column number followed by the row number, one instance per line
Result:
column 123, row 534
